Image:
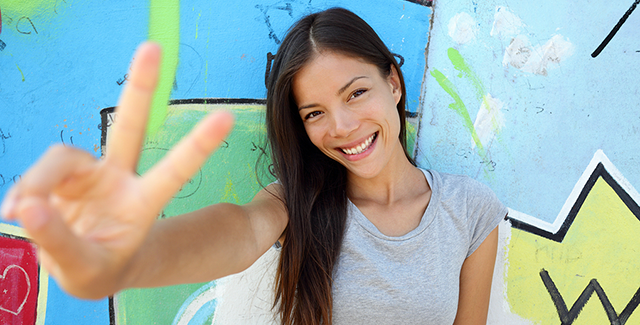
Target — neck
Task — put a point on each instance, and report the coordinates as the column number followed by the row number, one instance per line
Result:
column 398, row 180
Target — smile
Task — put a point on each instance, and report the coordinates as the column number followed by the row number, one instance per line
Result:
column 361, row 147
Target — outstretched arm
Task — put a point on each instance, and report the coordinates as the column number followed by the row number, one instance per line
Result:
column 91, row 218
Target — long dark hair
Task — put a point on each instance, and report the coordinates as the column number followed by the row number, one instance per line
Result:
column 314, row 185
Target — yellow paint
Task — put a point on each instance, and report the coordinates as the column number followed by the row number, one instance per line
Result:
column 603, row 243
column 197, row 22
column 230, row 194
column 43, row 286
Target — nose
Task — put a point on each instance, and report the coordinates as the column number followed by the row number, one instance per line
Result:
column 345, row 121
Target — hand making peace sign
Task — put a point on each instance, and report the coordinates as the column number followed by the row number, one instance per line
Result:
column 89, row 216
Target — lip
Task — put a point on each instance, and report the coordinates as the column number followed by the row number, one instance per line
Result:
column 363, row 154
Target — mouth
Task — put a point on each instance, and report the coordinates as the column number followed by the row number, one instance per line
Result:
column 364, row 146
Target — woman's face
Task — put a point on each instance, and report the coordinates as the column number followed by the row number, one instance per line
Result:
column 349, row 111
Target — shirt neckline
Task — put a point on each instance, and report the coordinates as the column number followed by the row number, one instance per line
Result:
column 429, row 215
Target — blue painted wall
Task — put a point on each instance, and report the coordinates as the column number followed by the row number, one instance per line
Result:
column 62, row 61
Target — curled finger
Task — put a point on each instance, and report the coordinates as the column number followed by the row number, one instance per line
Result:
column 51, row 170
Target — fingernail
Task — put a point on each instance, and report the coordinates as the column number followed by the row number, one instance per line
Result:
column 7, row 207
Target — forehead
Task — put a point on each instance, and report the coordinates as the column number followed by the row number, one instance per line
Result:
column 330, row 71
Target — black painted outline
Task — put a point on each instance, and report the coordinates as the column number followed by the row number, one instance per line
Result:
column 599, row 171
column 112, row 311
column 426, row 3
column 615, row 29
column 104, row 113
column 568, row 316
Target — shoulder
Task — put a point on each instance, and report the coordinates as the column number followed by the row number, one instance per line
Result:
column 459, row 186
column 467, row 196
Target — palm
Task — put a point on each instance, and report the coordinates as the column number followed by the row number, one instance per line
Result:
column 90, row 216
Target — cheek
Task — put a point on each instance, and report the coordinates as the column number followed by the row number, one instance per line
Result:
column 314, row 135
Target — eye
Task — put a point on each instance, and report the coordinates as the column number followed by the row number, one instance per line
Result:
column 357, row 93
column 312, row 115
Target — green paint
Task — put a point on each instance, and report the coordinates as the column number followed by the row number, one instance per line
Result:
column 20, row 72
column 412, row 133
column 458, row 106
column 228, row 176
column 164, row 28
column 461, row 65
column 28, row 8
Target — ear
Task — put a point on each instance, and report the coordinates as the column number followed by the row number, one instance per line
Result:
column 394, row 82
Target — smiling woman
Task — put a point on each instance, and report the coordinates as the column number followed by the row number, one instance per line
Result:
column 352, row 114
column 367, row 237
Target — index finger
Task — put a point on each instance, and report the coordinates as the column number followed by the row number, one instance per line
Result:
column 128, row 131
column 164, row 179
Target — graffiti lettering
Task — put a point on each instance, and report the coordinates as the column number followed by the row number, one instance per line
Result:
column 123, row 80
column 5, row 180
column 188, row 189
column 256, row 147
column 491, row 165
column 55, row 7
column 24, row 20
column 2, row 142
column 401, row 63
column 62, row 138
column 567, row 317
column 267, row 19
column 2, row 45
column 615, row 29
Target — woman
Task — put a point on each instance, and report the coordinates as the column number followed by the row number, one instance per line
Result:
column 367, row 237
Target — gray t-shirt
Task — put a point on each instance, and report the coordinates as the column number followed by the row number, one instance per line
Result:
column 414, row 278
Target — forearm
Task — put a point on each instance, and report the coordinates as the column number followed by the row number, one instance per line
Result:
column 200, row 246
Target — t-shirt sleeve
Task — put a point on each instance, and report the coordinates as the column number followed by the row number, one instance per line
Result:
column 484, row 213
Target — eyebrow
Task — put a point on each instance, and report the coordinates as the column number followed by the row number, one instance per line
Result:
column 340, row 91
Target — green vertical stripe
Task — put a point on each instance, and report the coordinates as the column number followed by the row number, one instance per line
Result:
column 164, row 28
column 458, row 106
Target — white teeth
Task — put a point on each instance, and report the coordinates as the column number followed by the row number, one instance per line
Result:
column 359, row 148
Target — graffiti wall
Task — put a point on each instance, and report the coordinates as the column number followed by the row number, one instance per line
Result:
column 539, row 100
column 63, row 62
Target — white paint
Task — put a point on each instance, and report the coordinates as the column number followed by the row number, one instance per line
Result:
column 208, row 295
column 518, row 52
column 247, row 297
column 499, row 309
column 521, row 55
column 462, row 28
column 505, row 23
column 598, row 157
column 24, row 301
column 489, row 120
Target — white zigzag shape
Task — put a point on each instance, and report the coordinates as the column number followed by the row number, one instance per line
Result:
column 598, row 157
